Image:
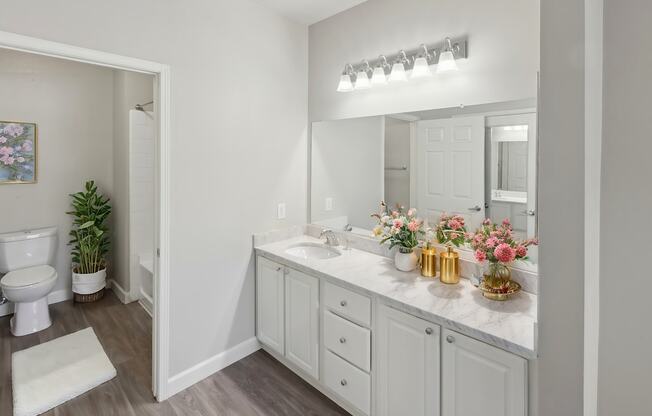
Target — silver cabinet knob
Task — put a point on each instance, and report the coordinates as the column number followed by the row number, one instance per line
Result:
column 450, row 339
column 278, row 269
column 429, row 331
column 343, row 382
column 343, row 303
column 342, row 340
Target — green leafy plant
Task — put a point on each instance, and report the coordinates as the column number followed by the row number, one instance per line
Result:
column 89, row 233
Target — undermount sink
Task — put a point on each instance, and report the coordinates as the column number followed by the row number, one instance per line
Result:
column 308, row 251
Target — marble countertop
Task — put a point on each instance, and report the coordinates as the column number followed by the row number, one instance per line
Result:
column 509, row 325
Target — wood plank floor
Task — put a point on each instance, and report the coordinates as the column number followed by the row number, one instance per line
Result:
column 256, row 385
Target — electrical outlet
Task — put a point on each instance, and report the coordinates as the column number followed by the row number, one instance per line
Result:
column 280, row 211
column 329, row 204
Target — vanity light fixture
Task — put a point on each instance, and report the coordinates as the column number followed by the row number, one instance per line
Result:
column 404, row 66
column 362, row 77
column 398, row 69
column 379, row 76
column 421, row 67
column 346, row 83
column 447, row 58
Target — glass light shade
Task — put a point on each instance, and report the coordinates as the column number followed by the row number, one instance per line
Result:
column 345, row 83
column 446, row 62
column 421, row 68
column 362, row 81
column 379, row 77
column 398, row 73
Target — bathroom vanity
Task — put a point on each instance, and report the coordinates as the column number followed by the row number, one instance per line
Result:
column 383, row 342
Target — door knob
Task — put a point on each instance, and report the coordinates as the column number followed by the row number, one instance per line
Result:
column 429, row 331
column 450, row 339
column 343, row 382
column 475, row 208
column 343, row 303
column 342, row 340
column 529, row 212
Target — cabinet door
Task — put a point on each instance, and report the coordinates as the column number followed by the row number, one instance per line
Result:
column 270, row 304
column 479, row 379
column 408, row 365
column 302, row 320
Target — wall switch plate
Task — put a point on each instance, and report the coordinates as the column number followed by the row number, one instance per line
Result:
column 280, row 211
column 329, row 204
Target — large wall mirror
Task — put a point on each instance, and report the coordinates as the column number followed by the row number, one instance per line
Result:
column 475, row 161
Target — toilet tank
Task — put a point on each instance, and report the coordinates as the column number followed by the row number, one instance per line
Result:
column 27, row 248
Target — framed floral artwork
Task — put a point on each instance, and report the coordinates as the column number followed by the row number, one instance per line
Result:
column 18, row 152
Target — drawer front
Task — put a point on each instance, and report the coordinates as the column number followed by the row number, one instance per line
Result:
column 348, row 340
column 348, row 303
column 349, row 382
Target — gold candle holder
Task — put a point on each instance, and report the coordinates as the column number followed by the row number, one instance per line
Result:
column 449, row 267
column 428, row 262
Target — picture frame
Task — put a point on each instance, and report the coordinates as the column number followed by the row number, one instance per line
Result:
column 18, row 152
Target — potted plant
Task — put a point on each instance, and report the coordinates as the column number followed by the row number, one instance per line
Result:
column 401, row 229
column 90, row 241
column 496, row 248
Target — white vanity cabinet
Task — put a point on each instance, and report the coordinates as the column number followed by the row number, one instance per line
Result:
column 270, row 304
column 493, row 381
column 287, row 314
column 407, row 364
column 302, row 321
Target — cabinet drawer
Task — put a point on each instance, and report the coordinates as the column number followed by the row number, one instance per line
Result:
column 348, row 303
column 348, row 340
column 351, row 383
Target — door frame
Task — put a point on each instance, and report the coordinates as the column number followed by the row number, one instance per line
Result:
column 161, row 72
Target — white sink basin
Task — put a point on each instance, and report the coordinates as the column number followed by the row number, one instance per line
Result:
column 308, row 251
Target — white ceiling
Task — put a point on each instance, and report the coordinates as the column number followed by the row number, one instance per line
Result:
column 310, row 11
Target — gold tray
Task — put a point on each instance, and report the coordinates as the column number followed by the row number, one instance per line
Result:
column 489, row 293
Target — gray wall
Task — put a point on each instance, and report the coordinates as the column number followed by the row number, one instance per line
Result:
column 238, row 140
column 561, row 178
column 625, row 352
column 72, row 104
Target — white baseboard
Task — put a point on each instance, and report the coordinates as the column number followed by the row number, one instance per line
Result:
column 146, row 302
column 211, row 365
column 54, row 297
column 122, row 294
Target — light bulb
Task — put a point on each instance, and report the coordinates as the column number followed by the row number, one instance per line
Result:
column 398, row 73
column 446, row 62
column 345, row 83
column 362, row 81
column 379, row 77
column 421, row 68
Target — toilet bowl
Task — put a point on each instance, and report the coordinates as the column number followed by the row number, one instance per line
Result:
column 24, row 258
column 28, row 289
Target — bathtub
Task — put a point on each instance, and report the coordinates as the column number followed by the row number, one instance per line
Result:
column 146, row 278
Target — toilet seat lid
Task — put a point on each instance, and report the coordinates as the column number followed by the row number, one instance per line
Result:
column 28, row 276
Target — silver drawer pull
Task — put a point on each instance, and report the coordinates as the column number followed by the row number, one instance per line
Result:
column 343, row 382
column 429, row 331
column 450, row 339
column 342, row 340
column 343, row 303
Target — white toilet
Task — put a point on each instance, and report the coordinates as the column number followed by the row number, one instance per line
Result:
column 25, row 257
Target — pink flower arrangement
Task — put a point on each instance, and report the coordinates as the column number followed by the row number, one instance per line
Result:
column 400, row 228
column 451, row 229
column 496, row 244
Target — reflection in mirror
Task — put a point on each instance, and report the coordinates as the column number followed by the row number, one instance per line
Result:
column 478, row 162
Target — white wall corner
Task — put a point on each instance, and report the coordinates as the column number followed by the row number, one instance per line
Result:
column 211, row 365
column 122, row 294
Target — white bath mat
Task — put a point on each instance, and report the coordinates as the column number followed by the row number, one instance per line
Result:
column 52, row 373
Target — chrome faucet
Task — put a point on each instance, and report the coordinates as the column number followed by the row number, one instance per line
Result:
column 348, row 228
column 331, row 238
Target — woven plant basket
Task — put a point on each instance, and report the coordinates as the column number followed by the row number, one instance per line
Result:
column 91, row 297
